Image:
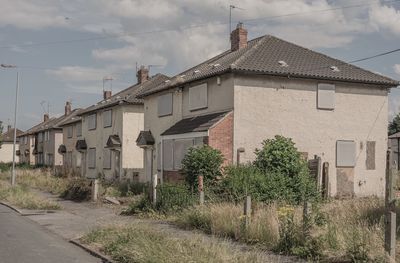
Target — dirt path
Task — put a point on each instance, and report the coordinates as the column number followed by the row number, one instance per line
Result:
column 76, row 219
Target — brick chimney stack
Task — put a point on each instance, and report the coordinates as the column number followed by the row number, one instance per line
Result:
column 68, row 108
column 238, row 37
column 142, row 74
column 9, row 127
column 45, row 117
column 107, row 94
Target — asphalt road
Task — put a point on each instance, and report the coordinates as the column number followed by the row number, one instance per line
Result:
column 23, row 241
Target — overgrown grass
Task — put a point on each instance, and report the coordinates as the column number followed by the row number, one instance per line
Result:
column 347, row 231
column 141, row 243
column 21, row 197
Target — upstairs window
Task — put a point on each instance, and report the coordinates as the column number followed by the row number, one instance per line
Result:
column 165, row 105
column 69, row 132
column 326, row 96
column 40, row 137
column 46, row 136
column 107, row 118
column 198, row 97
column 92, row 122
column 78, row 128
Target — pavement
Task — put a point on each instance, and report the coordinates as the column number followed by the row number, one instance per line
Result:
column 23, row 241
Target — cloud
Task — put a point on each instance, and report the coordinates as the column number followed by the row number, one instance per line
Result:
column 78, row 73
column 28, row 14
column 396, row 68
column 384, row 17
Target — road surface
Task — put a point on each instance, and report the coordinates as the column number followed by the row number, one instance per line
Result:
column 23, row 241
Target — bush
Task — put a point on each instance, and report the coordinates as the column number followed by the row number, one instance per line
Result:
column 205, row 161
column 78, row 189
column 279, row 155
column 174, row 197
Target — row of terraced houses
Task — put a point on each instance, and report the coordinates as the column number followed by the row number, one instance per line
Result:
column 232, row 102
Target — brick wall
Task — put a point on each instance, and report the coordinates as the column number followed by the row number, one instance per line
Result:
column 172, row 176
column 221, row 138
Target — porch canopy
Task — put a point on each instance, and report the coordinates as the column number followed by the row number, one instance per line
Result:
column 62, row 149
column 81, row 145
column 145, row 139
column 113, row 142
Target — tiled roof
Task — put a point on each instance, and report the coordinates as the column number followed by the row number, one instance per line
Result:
column 269, row 55
column 71, row 118
column 8, row 136
column 145, row 138
column 37, row 127
column 195, row 124
column 128, row 95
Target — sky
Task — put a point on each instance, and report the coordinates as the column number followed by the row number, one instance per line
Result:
column 64, row 48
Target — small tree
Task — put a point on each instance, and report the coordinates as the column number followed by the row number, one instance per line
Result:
column 205, row 161
column 394, row 125
column 1, row 133
column 279, row 155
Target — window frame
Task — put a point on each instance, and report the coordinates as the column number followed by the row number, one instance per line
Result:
column 78, row 130
column 192, row 100
column 170, row 110
column 111, row 118
column 94, row 116
column 323, row 90
column 340, row 161
column 70, row 130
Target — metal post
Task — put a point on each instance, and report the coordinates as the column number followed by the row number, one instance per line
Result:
column 15, row 130
column 95, row 189
column 247, row 211
column 390, row 205
column 154, row 189
column 306, row 219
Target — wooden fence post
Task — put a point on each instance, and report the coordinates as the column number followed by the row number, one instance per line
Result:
column 201, row 189
column 307, row 209
column 390, row 205
column 247, row 211
column 154, row 189
column 325, row 180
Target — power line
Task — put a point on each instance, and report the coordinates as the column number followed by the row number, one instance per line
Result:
column 60, row 42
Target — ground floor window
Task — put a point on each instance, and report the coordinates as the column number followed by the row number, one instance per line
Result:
column 92, row 158
column 174, row 150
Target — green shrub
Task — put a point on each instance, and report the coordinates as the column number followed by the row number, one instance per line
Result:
column 78, row 189
column 142, row 205
column 174, row 197
column 132, row 188
column 205, row 161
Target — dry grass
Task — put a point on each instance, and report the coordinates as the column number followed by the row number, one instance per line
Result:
column 22, row 198
column 141, row 243
column 343, row 230
column 42, row 180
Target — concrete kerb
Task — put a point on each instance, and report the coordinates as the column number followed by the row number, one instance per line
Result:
column 91, row 251
column 26, row 212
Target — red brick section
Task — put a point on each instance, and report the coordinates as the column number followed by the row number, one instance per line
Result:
column 221, row 137
column 173, row 176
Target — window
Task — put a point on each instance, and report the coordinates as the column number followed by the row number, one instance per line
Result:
column 181, row 147
column 198, row 97
column 107, row 118
column 46, row 136
column 370, row 160
column 78, row 129
column 70, row 131
column 165, row 105
column 326, row 96
column 107, row 159
column 345, row 153
column 91, row 122
column 92, row 158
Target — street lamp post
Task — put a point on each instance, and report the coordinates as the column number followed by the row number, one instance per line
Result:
column 15, row 120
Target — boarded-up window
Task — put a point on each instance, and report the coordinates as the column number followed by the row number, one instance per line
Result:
column 92, row 158
column 345, row 153
column 370, row 160
column 326, row 96
column 78, row 128
column 69, row 132
column 40, row 137
column 91, row 122
column 159, row 156
column 198, row 97
column 181, row 147
column 107, row 118
column 168, row 155
column 107, row 159
column 198, row 141
column 165, row 104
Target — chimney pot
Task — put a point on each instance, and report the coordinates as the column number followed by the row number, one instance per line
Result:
column 238, row 37
column 142, row 74
column 45, row 117
column 68, row 108
column 107, row 94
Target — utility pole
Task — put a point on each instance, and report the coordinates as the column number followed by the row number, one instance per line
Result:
column 15, row 120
